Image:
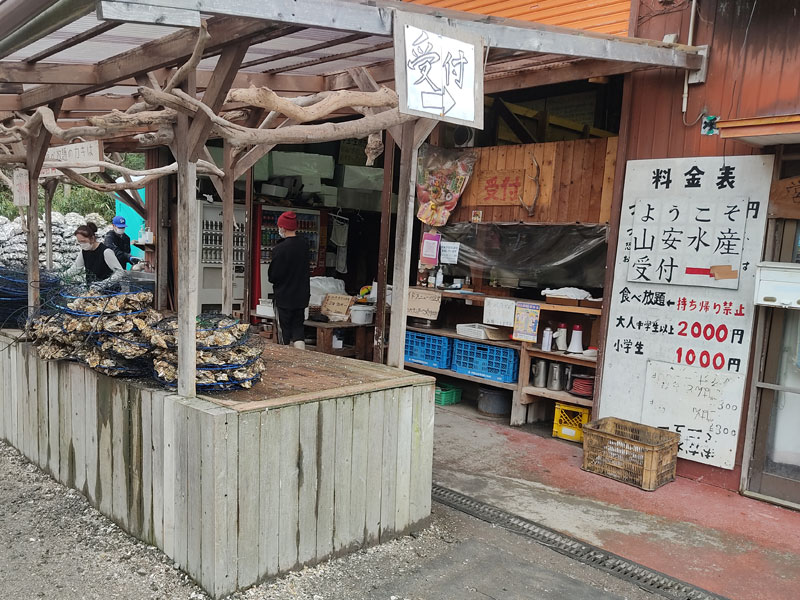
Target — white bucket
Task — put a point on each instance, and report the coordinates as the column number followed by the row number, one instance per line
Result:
column 362, row 315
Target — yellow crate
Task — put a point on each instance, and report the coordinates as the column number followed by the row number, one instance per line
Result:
column 569, row 421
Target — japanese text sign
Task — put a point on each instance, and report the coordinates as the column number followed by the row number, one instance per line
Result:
column 438, row 70
column 500, row 188
column 424, row 304
column 499, row 311
column 681, row 316
column 22, row 195
column 429, row 253
column 686, row 242
column 336, row 304
column 79, row 152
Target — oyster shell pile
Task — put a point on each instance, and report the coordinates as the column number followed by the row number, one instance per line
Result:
column 97, row 303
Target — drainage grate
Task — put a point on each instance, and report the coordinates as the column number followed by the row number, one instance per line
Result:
column 647, row 579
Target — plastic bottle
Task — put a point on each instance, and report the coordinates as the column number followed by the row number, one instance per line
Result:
column 439, row 278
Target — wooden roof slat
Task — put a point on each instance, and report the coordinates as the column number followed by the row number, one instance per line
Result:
column 331, row 58
column 159, row 53
column 290, row 53
column 73, row 41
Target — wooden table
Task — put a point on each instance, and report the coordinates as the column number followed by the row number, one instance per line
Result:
column 364, row 338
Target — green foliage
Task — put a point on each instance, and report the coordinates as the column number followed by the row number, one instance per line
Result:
column 80, row 200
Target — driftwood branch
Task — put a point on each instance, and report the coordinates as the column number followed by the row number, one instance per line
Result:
column 330, row 103
column 148, row 176
column 181, row 74
column 5, row 180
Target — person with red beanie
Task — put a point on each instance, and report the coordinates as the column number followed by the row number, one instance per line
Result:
column 289, row 275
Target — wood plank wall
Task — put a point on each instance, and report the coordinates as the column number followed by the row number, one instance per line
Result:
column 234, row 498
column 576, row 182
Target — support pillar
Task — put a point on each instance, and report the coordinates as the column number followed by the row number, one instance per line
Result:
column 227, row 228
column 383, row 252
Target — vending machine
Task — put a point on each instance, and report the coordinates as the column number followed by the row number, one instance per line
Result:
column 209, row 296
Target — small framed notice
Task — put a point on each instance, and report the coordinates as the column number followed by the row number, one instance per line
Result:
column 526, row 322
column 424, row 304
column 429, row 252
column 336, row 304
column 21, row 190
column 499, row 311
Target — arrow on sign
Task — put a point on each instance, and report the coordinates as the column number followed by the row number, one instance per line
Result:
column 442, row 101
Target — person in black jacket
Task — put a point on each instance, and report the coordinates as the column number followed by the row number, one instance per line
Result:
column 98, row 262
column 119, row 242
column 289, row 275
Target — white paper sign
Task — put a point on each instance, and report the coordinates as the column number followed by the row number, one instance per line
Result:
column 702, row 406
column 22, row 195
column 497, row 311
column 688, row 241
column 448, row 253
column 708, row 216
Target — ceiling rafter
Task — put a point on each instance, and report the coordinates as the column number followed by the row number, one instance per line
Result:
column 305, row 50
column 331, row 58
column 73, row 41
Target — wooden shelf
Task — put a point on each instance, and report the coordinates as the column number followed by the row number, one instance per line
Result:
column 479, row 299
column 145, row 247
column 449, row 373
column 450, row 333
column 559, row 356
column 561, row 396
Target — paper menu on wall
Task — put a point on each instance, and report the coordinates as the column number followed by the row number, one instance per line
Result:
column 526, row 322
column 499, row 311
column 448, row 253
column 429, row 253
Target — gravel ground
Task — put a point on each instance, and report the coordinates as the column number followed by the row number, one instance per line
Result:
column 54, row 545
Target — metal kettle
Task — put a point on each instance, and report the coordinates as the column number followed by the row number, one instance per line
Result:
column 540, row 373
column 555, row 381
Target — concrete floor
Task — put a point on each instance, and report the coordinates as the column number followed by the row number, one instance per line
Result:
column 716, row 539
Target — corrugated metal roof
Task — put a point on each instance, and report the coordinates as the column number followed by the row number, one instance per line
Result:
column 602, row 16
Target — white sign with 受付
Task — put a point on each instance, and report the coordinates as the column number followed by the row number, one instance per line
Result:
column 702, row 405
column 681, row 313
column 438, row 70
column 448, row 253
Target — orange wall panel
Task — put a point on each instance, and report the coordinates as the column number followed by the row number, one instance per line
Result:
column 601, row 16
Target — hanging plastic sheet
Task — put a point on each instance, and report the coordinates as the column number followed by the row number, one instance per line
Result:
column 530, row 255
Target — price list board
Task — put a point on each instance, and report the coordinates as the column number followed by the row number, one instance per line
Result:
column 681, row 316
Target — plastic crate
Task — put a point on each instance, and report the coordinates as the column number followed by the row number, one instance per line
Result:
column 430, row 350
column 447, row 394
column 569, row 421
column 630, row 452
column 483, row 360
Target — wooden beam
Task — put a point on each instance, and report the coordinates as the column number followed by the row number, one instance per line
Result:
column 167, row 51
column 90, row 33
column 383, row 248
column 366, row 16
column 188, row 263
column 163, row 228
column 513, row 122
column 402, row 246
column 305, row 50
column 248, row 246
column 225, row 71
column 49, row 192
column 331, row 58
column 35, row 155
column 41, row 73
column 227, row 229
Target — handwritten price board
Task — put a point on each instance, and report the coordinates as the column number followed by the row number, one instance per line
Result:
column 336, row 304
column 424, row 304
column 681, row 313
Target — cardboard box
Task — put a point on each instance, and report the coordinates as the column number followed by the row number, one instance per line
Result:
column 301, row 163
column 360, row 178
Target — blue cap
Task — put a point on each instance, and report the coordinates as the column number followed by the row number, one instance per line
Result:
column 118, row 222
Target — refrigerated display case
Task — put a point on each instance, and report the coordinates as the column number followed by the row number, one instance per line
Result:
column 209, row 296
column 311, row 224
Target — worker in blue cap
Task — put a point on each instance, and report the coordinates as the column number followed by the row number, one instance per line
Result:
column 119, row 242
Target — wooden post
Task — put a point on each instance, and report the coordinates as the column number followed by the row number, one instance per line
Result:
column 383, row 252
column 49, row 192
column 248, row 246
column 227, row 228
column 402, row 245
column 33, row 237
column 188, row 266
column 163, row 229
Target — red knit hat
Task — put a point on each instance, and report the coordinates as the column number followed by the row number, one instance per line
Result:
column 288, row 221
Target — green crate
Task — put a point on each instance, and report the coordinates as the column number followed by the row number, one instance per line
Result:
column 447, row 394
